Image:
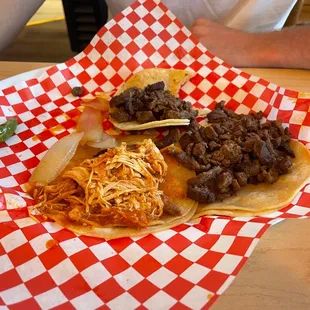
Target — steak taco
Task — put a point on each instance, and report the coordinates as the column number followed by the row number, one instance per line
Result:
column 122, row 192
column 149, row 100
column 242, row 165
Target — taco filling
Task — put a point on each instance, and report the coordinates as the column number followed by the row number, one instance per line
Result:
column 153, row 103
column 117, row 188
column 122, row 191
column 235, row 150
column 149, row 100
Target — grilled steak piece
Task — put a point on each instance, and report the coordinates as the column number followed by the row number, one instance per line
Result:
column 172, row 137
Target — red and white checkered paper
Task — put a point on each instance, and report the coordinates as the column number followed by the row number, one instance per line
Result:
column 187, row 267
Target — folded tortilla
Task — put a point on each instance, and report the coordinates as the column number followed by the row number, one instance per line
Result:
column 174, row 187
column 109, row 233
column 264, row 198
column 126, row 126
column 232, row 213
column 173, row 80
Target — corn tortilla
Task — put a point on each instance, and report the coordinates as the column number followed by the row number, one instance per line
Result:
column 109, row 233
column 177, row 175
column 231, row 213
column 155, row 124
column 173, row 80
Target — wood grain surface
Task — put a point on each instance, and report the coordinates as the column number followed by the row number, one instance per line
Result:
column 277, row 275
column 50, row 9
column 8, row 69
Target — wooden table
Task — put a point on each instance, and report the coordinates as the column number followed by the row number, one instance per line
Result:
column 277, row 275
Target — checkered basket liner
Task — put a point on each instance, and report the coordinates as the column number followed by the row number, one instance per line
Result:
column 187, row 267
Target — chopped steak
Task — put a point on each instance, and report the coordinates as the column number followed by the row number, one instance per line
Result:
column 185, row 140
column 235, row 186
column 251, row 168
column 121, row 116
column 230, row 151
column 205, row 177
column 283, row 164
column 214, row 146
column 224, row 181
column 145, row 116
column 189, row 148
column 155, row 86
column 242, row 178
column 284, row 145
column 217, row 116
column 186, row 160
column 170, row 114
column 262, row 153
column 172, row 137
column 199, row 149
column 118, row 101
column 201, row 193
column 210, row 132
column 150, row 104
column 234, row 150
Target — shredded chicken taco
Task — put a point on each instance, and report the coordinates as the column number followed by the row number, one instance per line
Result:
column 118, row 193
column 149, row 100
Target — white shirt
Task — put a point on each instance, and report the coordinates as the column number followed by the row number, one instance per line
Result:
column 248, row 15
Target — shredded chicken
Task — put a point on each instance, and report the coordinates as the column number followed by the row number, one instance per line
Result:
column 119, row 187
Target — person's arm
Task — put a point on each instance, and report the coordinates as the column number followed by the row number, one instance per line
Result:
column 288, row 48
column 14, row 14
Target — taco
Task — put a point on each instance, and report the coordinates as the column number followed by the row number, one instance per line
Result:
column 149, row 100
column 122, row 192
column 242, row 164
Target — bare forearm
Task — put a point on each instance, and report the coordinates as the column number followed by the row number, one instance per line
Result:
column 288, row 48
column 14, row 14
